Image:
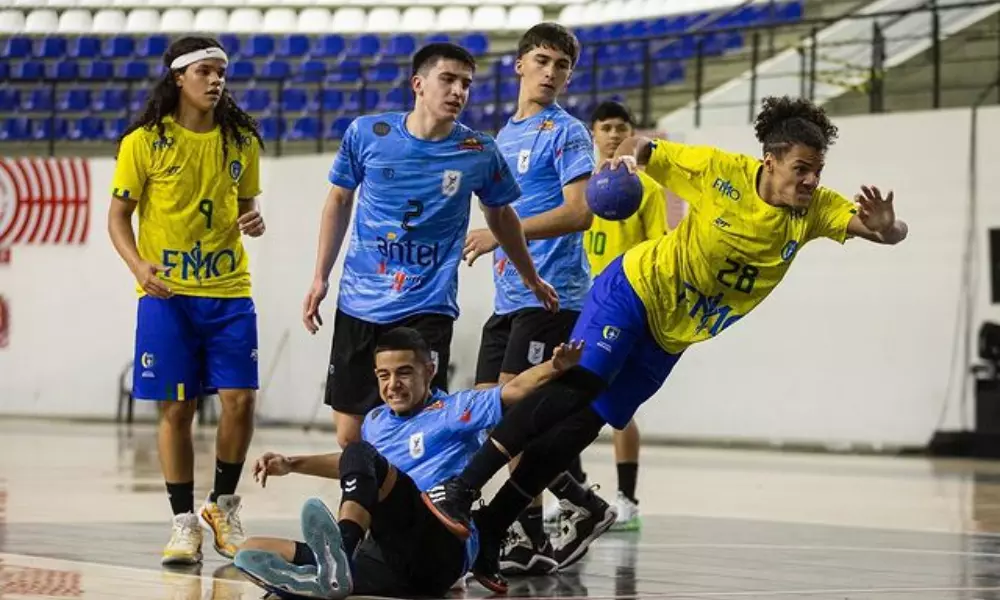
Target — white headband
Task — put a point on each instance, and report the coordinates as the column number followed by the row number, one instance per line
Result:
column 192, row 57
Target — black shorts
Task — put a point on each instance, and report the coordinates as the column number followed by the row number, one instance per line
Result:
column 351, row 386
column 408, row 552
column 517, row 341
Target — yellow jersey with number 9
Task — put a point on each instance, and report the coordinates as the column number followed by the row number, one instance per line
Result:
column 730, row 250
column 188, row 205
column 607, row 240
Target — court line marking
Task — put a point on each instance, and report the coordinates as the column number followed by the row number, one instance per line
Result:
column 803, row 548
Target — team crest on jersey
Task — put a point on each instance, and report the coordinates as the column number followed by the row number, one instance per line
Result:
column 450, row 182
column 235, row 170
column 611, row 333
column 381, row 129
column 471, row 143
column 523, row 161
column 417, row 445
column 163, row 143
column 547, row 125
column 536, row 351
column 789, row 250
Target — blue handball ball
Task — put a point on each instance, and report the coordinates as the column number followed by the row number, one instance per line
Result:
column 614, row 194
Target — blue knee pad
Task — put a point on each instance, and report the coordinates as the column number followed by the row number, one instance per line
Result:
column 362, row 472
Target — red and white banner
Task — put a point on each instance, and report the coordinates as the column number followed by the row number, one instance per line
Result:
column 43, row 201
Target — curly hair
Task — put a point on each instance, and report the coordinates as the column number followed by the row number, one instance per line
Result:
column 165, row 97
column 784, row 122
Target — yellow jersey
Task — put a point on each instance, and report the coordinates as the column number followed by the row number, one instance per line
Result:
column 730, row 250
column 188, row 205
column 607, row 240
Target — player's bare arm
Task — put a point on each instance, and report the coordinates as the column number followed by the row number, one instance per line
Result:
column 272, row 464
column 506, row 225
column 333, row 226
column 876, row 219
column 250, row 221
column 123, row 238
column 564, row 357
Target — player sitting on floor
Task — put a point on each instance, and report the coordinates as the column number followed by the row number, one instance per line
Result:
column 418, row 437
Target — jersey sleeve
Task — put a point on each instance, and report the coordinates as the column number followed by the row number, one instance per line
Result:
column 348, row 171
column 474, row 410
column 574, row 152
column 680, row 167
column 131, row 167
column 830, row 215
column 249, row 186
column 653, row 211
column 499, row 187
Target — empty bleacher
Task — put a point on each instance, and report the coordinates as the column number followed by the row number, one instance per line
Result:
column 79, row 69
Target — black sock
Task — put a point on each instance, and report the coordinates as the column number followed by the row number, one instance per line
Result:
column 227, row 475
column 503, row 509
column 627, row 475
column 352, row 534
column 533, row 523
column 567, row 487
column 576, row 470
column 303, row 555
column 484, row 465
column 181, row 497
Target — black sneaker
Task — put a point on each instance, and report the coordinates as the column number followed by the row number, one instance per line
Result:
column 486, row 569
column 523, row 555
column 451, row 502
column 580, row 526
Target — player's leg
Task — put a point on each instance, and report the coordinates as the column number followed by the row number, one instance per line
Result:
column 229, row 329
column 167, row 369
column 627, row 463
column 351, row 388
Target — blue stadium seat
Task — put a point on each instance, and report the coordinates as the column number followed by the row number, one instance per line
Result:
column 4, row 71
column 476, row 43
column 339, row 127
column 305, row 128
column 312, row 71
column 331, row 100
column 275, row 69
column 509, row 90
column 483, row 91
column 611, row 78
column 401, row 45
column 637, row 29
column 49, row 128
column 436, row 37
column 294, row 100
column 633, row 76
column 76, row 100
column 256, row 100
column 240, row 70
column 349, row 71
column 329, row 46
column 261, row 46
column 86, row 46
column 293, row 46
column 135, row 69
column 10, row 100
column 120, row 46
column 395, row 99
column 617, row 31
column 29, row 70
column 231, row 44
column 16, row 129
column 52, row 47
column 139, row 98
column 362, row 100
column 667, row 72
column 364, row 46
column 271, row 128
column 67, row 69
column 791, row 12
column 111, row 99
column 115, row 128
column 581, row 83
column 87, row 129
column 18, row 47
column 383, row 72
column 98, row 70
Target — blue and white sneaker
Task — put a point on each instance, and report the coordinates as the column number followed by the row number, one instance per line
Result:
column 322, row 535
column 278, row 576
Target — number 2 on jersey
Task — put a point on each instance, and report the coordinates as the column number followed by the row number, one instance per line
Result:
column 416, row 209
column 747, row 275
column 207, row 208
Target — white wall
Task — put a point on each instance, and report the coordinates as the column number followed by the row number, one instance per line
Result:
column 855, row 347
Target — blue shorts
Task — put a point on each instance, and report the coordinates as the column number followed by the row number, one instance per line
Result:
column 619, row 347
column 187, row 346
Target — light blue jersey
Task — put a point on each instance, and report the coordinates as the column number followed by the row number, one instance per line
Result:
column 546, row 152
column 412, row 214
column 437, row 442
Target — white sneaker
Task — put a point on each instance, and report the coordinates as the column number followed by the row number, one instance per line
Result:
column 223, row 519
column 552, row 514
column 184, row 547
column 628, row 515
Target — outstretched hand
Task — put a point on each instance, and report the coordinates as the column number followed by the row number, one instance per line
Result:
column 567, row 356
column 613, row 163
column 877, row 214
column 271, row 463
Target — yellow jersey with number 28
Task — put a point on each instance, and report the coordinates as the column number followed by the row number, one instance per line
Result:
column 188, row 205
column 607, row 240
column 730, row 250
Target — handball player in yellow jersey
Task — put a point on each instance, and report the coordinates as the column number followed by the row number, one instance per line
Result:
column 748, row 218
column 190, row 165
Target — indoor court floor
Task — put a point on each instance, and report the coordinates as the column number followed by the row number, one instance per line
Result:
column 84, row 514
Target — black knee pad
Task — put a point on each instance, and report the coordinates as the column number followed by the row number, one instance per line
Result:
column 362, row 471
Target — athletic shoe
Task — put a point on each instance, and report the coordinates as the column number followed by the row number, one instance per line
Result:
column 552, row 515
column 280, row 577
column 581, row 525
column 223, row 520
column 451, row 502
column 322, row 535
column 628, row 514
column 486, row 568
column 523, row 555
column 184, row 547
